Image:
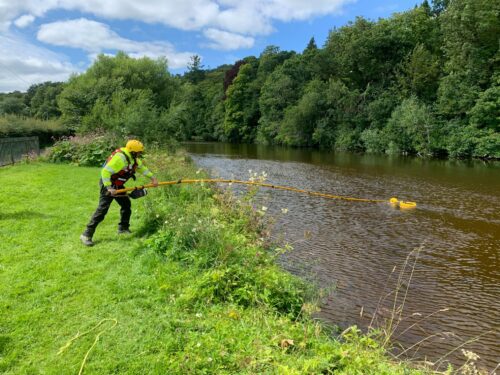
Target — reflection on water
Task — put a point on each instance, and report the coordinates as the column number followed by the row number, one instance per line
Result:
column 361, row 248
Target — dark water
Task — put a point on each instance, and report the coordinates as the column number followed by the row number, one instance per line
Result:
column 450, row 288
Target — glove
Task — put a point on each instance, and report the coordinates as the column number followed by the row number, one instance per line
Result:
column 111, row 191
column 154, row 181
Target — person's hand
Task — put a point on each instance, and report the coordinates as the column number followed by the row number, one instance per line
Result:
column 111, row 191
column 154, row 181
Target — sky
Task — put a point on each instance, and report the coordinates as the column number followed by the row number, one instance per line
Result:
column 48, row 40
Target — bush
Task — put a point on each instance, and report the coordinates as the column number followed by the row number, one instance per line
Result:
column 468, row 141
column 411, row 129
column 264, row 285
column 90, row 150
column 373, row 141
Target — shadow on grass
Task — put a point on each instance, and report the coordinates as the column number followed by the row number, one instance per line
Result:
column 5, row 342
column 23, row 215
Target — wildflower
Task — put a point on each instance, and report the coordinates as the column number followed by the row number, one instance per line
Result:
column 471, row 356
column 198, row 171
column 264, row 208
column 284, row 210
column 198, row 315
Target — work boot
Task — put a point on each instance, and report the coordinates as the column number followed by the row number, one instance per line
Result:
column 124, row 231
column 86, row 240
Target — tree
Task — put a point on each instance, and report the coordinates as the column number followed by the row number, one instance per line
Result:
column 420, row 74
column 311, row 46
column 300, row 120
column 231, row 74
column 342, row 120
column 195, row 71
column 120, row 79
column 12, row 105
column 278, row 92
column 486, row 111
column 43, row 99
column 411, row 129
column 470, row 35
column 439, row 6
column 241, row 107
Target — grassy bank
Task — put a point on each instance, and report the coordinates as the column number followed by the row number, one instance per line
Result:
column 45, row 130
column 192, row 290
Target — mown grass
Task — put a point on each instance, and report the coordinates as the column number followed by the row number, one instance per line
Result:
column 192, row 289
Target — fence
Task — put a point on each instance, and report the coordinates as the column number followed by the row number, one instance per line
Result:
column 13, row 149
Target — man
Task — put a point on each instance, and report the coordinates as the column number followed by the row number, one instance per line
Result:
column 119, row 167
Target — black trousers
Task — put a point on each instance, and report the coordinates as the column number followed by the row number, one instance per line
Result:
column 103, row 207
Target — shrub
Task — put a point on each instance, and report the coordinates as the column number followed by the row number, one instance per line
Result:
column 374, row 141
column 468, row 141
column 245, row 285
column 411, row 129
column 90, row 150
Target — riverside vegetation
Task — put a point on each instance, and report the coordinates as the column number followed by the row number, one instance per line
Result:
column 193, row 290
column 425, row 81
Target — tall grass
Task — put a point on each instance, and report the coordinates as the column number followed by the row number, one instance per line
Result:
column 18, row 126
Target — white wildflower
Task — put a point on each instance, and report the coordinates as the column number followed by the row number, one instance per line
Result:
column 471, row 356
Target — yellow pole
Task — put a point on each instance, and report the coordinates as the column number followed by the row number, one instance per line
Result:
column 393, row 201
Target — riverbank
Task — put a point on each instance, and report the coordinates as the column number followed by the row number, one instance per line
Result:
column 191, row 291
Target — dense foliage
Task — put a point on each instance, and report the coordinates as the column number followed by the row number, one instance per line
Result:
column 425, row 81
column 422, row 82
column 91, row 150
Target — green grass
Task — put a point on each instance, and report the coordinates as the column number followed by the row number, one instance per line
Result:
column 192, row 290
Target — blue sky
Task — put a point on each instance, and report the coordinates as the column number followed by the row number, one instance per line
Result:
column 51, row 39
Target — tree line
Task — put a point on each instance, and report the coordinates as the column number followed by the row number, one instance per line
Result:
column 425, row 81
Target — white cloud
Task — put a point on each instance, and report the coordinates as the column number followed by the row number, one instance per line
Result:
column 23, row 64
column 287, row 10
column 223, row 40
column 95, row 37
column 24, row 21
column 252, row 17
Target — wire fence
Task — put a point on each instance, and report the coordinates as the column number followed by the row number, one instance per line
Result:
column 14, row 149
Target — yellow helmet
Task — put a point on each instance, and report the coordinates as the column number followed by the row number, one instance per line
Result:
column 134, row 146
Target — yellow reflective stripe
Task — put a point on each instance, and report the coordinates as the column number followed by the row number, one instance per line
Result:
column 109, row 169
column 146, row 172
column 106, row 179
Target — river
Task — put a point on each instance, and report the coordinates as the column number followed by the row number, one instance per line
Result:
column 434, row 271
